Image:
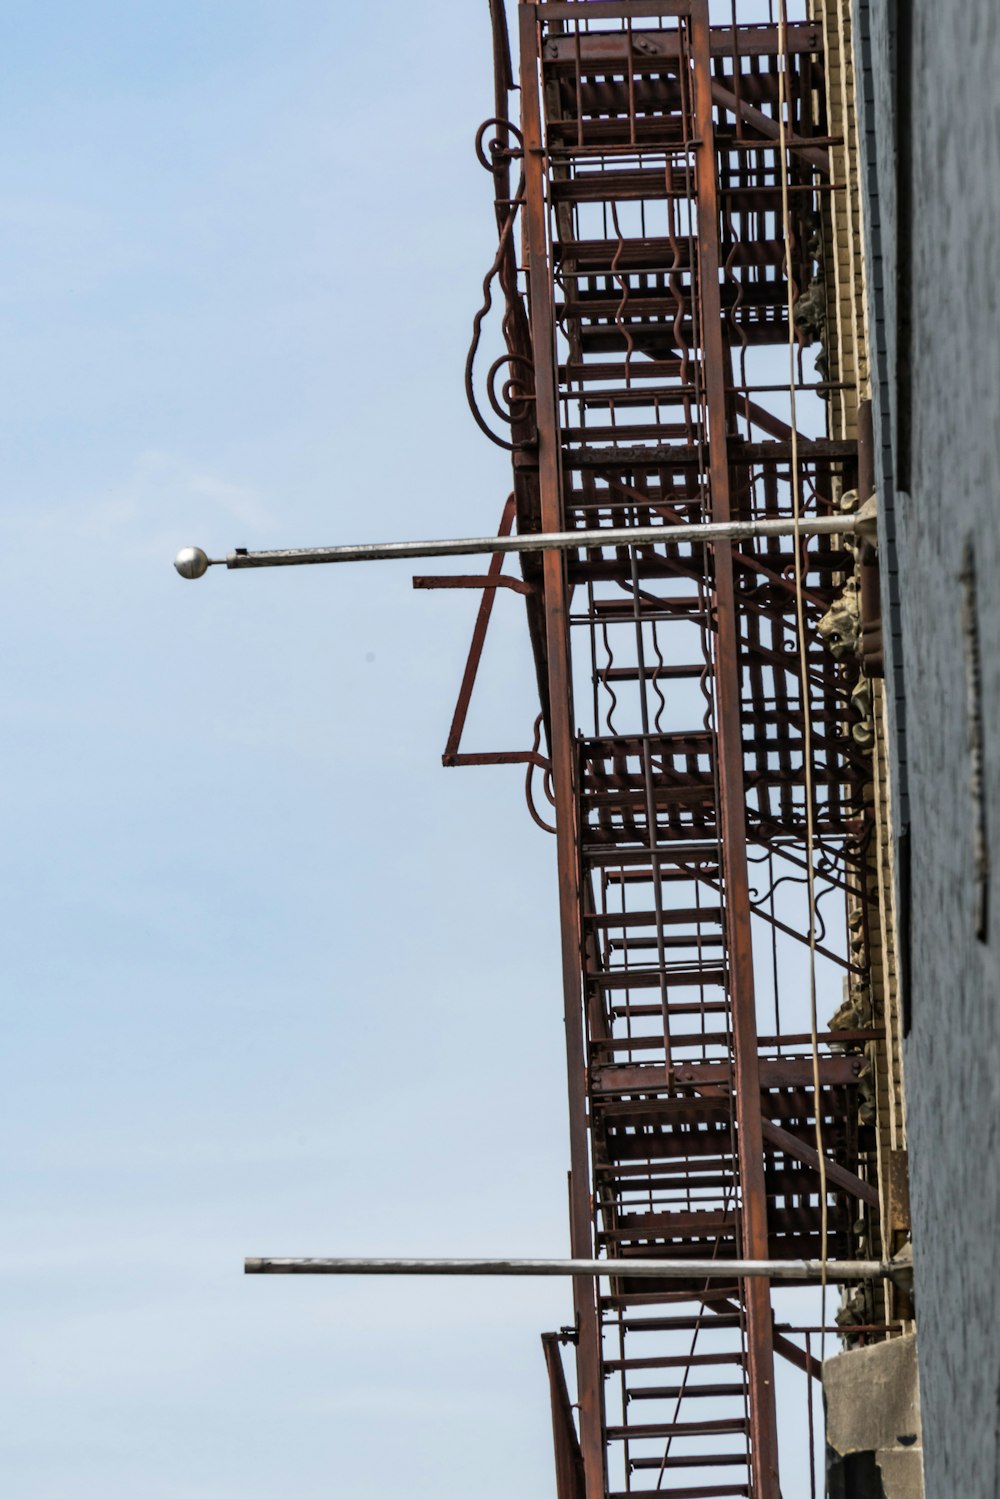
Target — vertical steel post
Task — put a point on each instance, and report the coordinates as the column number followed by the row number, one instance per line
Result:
column 760, row 1363
column 562, row 748
column 569, row 1462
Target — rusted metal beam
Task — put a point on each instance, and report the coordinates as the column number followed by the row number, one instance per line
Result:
column 836, row 1176
column 750, row 41
column 602, row 10
column 431, row 581
column 760, row 1365
column 814, row 155
column 800, row 1150
column 451, row 748
column 570, row 1482
column 561, row 737
column 782, row 1072
column 782, row 1345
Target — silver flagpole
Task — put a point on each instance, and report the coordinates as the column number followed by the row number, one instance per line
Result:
column 192, row 562
column 836, row 1270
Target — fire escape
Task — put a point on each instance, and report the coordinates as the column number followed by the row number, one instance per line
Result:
column 644, row 276
column 668, row 228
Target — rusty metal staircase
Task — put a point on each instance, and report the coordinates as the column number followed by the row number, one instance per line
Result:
column 644, row 308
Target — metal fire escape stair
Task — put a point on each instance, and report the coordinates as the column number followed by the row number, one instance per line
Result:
column 657, row 277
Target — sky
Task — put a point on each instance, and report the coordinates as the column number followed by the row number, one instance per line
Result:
column 276, row 982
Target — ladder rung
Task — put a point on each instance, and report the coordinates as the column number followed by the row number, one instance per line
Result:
column 637, row 978
column 704, row 1460
column 682, row 1324
column 716, row 1427
column 673, row 916
column 652, row 673
column 727, row 1491
column 678, row 1360
column 654, row 1043
column 672, row 939
column 639, row 1012
column 686, row 1391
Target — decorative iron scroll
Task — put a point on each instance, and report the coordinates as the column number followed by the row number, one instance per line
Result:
column 512, row 402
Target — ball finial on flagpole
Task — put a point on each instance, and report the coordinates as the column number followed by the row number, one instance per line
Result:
column 192, row 562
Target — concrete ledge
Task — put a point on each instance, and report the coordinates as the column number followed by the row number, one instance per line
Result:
column 873, row 1433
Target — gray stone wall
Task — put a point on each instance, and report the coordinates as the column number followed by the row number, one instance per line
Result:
column 947, row 501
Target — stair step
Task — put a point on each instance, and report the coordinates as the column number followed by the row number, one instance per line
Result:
column 652, row 673
column 683, row 1108
column 638, row 1177
column 686, row 1392
column 615, row 859
column 665, row 1294
column 625, row 431
column 694, row 1007
column 635, row 182
column 725, row 1427
column 639, row 398
column 726, row 1491
column 647, row 1298
column 666, row 1226
column 650, row 1043
column 702, row 1460
column 649, row 978
column 678, row 1360
column 672, row 939
column 616, row 370
column 650, row 255
column 683, row 1324
column 649, row 918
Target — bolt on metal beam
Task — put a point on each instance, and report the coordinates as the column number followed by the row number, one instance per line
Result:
column 192, row 562
column 837, row 1271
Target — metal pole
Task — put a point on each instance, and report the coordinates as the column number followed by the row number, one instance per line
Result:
column 192, row 562
column 836, row 1270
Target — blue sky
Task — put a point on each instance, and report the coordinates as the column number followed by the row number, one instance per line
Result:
column 276, row 981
